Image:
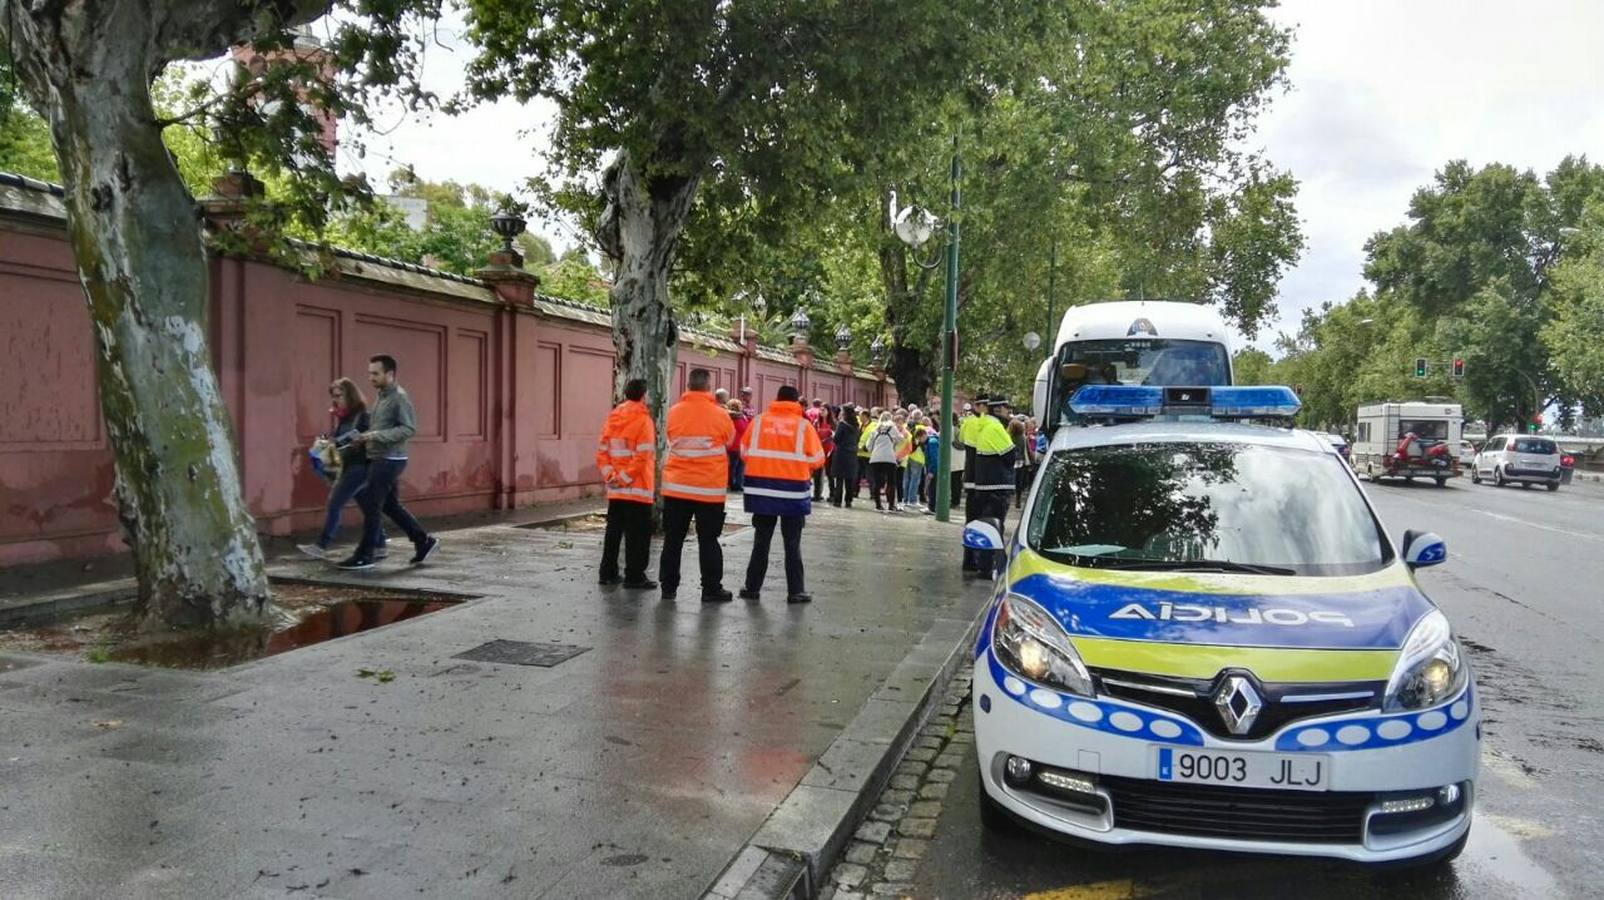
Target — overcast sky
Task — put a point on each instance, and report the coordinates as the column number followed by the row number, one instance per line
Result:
column 1383, row 93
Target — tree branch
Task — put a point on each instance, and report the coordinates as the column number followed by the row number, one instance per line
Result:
column 199, row 29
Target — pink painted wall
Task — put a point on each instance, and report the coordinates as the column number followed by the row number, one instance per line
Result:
column 510, row 396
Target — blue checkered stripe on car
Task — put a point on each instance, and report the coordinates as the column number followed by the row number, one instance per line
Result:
column 1112, row 718
column 1379, row 731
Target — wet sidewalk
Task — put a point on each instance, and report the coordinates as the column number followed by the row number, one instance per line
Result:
column 639, row 768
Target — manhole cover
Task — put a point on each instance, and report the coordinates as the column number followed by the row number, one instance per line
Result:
column 522, row 653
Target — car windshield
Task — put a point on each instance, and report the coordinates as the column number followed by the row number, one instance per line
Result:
column 1206, row 506
column 1541, row 446
column 1150, row 361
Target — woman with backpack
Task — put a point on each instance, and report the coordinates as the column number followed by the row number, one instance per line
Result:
column 351, row 418
column 882, row 446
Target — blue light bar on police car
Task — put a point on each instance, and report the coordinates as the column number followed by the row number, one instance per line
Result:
column 1132, row 400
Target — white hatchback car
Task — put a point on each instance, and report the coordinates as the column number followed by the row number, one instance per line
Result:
column 1524, row 459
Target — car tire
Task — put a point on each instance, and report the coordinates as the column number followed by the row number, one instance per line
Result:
column 1498, row 476
column 993, row 817
column 1475, row 475
column 1432, row 860
column 1442, row 482
column 1553, row 486
column 1525, row 485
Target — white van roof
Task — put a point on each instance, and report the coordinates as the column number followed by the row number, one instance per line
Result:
column 1122, row 318
column 1418, row 409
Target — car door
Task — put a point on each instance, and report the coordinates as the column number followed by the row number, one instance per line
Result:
column 1502, row 457
column 1487, row 459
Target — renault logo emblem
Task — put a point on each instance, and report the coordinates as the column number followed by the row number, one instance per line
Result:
column 1239, row 703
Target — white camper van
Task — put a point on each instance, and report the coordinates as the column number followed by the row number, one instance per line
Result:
column 1379, row 450
column 1133, row 342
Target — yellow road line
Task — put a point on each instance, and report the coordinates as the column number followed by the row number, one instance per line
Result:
column 1117, row 889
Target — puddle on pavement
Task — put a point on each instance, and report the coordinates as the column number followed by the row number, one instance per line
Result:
column 308, row 613
column 1495, row 850
column 215, row 651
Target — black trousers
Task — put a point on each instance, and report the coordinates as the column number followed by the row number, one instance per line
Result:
column 883, row 477
column 380, row 496
column 678, row 514
column 630, row 524
column 955, row 493
column 843, row 478
column 791, row 535
column 859, row 475
column 818, row 483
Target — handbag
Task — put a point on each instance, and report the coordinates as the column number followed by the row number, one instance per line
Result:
column 325, row 458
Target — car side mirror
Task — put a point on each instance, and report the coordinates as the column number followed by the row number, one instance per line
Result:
column 1422, row 548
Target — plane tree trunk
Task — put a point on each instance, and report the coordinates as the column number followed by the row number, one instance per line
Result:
column 137, row 241
column 640, row 231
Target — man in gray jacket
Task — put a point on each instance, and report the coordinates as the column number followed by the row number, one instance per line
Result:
column 393, row 424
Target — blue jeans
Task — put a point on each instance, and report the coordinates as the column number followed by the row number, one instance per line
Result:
column 352, row 477
column 913, row 483
column 381, row 497
column 737, row 471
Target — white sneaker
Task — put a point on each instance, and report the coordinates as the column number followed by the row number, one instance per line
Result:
column 313, row 551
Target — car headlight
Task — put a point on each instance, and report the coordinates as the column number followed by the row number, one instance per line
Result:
column 1431, row 668
column 1032, row 645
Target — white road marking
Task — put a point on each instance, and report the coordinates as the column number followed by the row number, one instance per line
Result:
column 1587, row 536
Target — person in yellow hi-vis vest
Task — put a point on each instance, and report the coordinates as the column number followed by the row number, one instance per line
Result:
column 993, row 451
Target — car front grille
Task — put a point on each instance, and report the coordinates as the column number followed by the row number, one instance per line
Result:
column 1193, row 698
column 1325, row 817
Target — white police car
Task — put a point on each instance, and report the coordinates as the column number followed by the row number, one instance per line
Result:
column 1203, row 637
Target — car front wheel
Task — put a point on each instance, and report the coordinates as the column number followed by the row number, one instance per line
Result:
column 1475, row 475
column 1498, row 476
column 1553, row 485
column 1431, row 860
column 993, row 817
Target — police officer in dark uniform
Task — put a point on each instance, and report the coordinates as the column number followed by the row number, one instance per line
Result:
column 993, row 451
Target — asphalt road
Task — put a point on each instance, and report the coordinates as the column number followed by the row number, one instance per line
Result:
column 1524, row 586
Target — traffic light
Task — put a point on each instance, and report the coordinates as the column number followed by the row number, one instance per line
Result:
column 1459, row 368
column 1420, row 367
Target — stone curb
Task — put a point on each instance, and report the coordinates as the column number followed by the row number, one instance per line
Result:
column 794, row 850
column 45, row 606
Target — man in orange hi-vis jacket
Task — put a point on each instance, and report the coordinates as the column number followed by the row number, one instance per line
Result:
column 626, row 454
column 781, row 450
column 696, row 474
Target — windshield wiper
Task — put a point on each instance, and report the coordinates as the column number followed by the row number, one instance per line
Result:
column 1194, row 565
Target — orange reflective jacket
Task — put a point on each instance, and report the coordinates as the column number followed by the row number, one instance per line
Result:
column 626, row 452
column 699, row 434
column 781, row 450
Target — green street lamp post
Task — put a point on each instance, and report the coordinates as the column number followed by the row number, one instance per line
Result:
column 914, row 227
column 949, row 350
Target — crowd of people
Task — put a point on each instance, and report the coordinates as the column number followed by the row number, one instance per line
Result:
column 781, row 460
column 891, row 453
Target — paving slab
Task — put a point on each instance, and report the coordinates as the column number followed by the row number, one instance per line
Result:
column 639, row 768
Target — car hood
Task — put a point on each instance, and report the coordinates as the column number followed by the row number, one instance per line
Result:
column 1284, row 628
